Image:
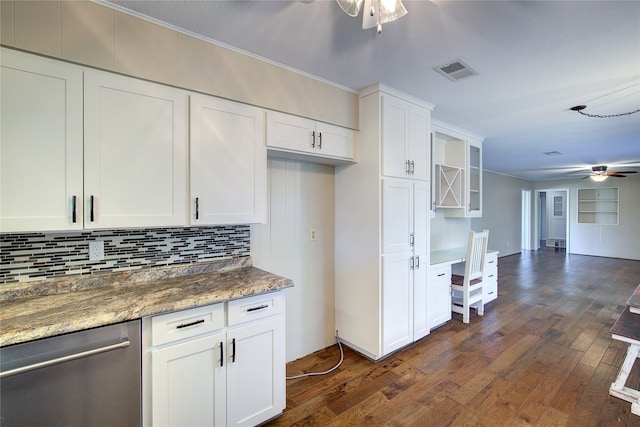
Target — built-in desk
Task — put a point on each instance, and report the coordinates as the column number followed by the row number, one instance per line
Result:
column 447, row 261
column 455, row 256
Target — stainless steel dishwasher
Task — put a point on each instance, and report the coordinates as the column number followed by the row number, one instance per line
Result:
column 86, row 378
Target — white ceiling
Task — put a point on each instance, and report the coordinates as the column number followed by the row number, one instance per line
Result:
column 535, row 60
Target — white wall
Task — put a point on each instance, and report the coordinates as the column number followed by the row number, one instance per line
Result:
column 447, row 233
column 616, row 241
column 300, row 197
column 502, row 211
column 501, row 215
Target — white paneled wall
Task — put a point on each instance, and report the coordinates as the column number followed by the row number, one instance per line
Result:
column 300, row 198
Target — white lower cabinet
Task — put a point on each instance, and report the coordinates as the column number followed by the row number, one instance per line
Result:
column 439, row 295
column 218, row 365
column 490, row 280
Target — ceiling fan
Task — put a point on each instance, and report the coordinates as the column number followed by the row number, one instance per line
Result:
column 600, row 173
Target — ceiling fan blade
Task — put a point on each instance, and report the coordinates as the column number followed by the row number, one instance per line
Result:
column 618, row 172
column 616, row 175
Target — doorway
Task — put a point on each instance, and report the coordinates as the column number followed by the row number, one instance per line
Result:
column 551, row 222
column 526, row 220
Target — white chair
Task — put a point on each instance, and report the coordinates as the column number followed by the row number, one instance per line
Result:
column 466, row 291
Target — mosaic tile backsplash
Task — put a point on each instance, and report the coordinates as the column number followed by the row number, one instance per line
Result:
column 36, row 256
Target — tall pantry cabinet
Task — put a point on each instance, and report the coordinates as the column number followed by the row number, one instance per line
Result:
column 382, row 226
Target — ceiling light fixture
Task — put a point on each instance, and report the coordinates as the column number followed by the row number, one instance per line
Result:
column 598, row 178
column 376, row 12
column 579, row 109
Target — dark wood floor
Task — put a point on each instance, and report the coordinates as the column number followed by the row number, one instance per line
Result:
column 541, row 355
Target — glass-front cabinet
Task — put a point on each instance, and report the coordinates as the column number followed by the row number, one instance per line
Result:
column 457, row 169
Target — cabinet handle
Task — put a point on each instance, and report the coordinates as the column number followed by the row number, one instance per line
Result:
column 121, row 345
column 441, row 274
column 91, row 205
column 74, row 212
column 411, row 263
column 260, row 307
column 417, row 262
column 412, row 169
column 407, row 167
column 411, row 239
column 197, row 208
column 233, row 350
column 313, row 139
column 221, row 354
column 319, row 140
column 194, row 323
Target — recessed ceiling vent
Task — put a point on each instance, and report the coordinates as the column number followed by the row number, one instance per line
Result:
column 455, row 70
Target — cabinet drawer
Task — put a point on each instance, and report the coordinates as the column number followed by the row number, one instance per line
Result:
column 489, row 291
column 491, row 259
column 490, row 274
column 440, row 274
column 178, row 325
column 253, row 308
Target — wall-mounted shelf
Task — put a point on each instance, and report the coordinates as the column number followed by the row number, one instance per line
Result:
column 450, row 181
column 598, row 206
column 457, row 180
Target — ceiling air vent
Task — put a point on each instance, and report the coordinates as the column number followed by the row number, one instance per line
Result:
column 455, row 70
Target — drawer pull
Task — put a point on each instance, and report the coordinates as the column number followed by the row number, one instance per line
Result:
column 233, row 350
column 491, row 275
column 221, row 354
column 441, row 274
column 74, row 215
column 260, row 307
column 186, row 325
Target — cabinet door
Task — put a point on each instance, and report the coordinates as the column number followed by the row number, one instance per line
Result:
column 188, row 383
column 439, row 302
column 397, row 215
column 228, row 162
column 40, row 144
column 397, row 301
column 474, row 178
column 395, row 136
column 420, row 143
column 290, row 132
column 334, row 141
column 421, row 196
column 255, row 372
column 135, row 153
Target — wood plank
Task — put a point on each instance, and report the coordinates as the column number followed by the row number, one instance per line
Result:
column 541, row 355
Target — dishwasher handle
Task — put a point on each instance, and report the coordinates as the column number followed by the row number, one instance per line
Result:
column 63, row 359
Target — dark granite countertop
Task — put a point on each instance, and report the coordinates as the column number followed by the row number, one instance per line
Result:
column 48, row 308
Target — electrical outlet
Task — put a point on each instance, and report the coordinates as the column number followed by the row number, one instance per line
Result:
column 313, row 234
column 96, row 250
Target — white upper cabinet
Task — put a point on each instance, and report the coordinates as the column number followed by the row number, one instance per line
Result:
column 297, row 137
column 40, row 144
column 228, row 162
column 457, row 165
column 405, row 139
column 135, row 153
